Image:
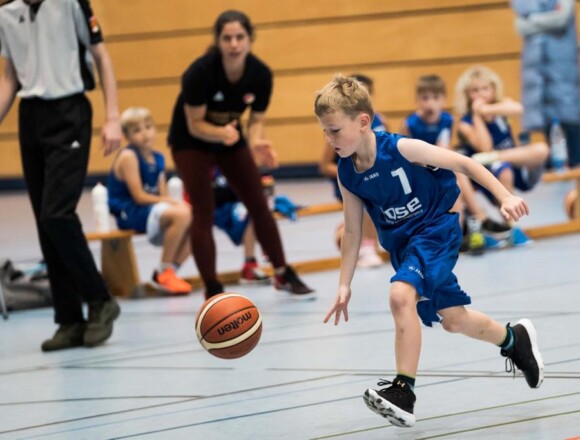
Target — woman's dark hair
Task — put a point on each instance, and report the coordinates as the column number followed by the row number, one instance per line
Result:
column 230, row 16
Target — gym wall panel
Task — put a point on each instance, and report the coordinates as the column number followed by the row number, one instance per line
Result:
column 321, row 46
column 305, row 42
column 146, row 17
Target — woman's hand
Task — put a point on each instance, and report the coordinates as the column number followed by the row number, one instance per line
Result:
column 231, row 133
column 264, row 153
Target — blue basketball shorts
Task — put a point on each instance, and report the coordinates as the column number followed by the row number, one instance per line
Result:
column 233, row 219
column 427, row 263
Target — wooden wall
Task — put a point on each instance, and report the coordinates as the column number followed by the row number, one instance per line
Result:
column 305, row 42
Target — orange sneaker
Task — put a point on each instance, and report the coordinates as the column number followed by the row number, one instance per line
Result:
column 169, row 282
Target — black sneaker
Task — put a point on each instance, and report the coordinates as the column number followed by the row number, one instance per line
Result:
column 290, row 282
column 394, row 403
column 493, row 227
column 66, row 336
column 525, row 354
column 100, row 322
column 213, row 288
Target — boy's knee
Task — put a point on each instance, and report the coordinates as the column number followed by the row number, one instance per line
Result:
column 453, row 322
column 506, row 176
column 543, row 150
column 451, row 325
column 184, row 213
column 402, row 296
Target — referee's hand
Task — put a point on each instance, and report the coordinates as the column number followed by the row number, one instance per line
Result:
column 111, row 136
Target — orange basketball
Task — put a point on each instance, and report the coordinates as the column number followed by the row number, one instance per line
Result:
column 570, row 204
column 228, row 325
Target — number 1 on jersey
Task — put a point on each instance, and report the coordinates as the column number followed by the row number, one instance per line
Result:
column 400, row 173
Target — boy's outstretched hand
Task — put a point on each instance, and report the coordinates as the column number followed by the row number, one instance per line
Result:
column 514, row 207
column 340, row 305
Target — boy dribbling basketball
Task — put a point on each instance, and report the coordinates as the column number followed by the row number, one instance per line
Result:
column 408, row 188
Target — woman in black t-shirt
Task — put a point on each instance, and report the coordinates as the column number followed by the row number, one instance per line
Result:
column 205, row 131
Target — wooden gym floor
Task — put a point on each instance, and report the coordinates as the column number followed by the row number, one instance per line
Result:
column 304, row 380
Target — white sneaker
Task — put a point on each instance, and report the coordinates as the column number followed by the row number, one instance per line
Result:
column 368, row 258
column 486, row 158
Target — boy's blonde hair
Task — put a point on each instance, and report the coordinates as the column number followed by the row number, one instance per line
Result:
column 134, row 115
column 430, row 83
column 343, row 94
column 462, row 100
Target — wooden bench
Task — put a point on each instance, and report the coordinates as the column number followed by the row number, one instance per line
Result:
column 568, row 227
column 118, row 262
column 573, row 174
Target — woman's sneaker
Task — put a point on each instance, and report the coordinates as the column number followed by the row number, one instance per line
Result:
column 525, row 354
column 252, row 274
column 213, row 288
column 394, row 403
column 290, row 282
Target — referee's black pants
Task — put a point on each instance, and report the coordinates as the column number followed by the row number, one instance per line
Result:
column 55, row 140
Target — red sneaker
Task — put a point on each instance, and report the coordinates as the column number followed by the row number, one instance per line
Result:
column 252, row 274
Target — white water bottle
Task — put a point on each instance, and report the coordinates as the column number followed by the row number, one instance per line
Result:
column 559, row 151
column 100, row 198
column 175, row 188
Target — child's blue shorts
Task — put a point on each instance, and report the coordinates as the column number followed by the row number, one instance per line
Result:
column 427, row 263
column 233, row 219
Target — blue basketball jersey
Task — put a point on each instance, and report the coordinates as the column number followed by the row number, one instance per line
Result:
column 409, row 205
column 431, row 133
column 130, row 215
column 400, row 197
column 500, row 131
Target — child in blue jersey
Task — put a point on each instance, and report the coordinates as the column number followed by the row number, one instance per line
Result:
column 486, row 135
column 139, row 200
column 408, row 187
column 368, row 256
column 430, row 123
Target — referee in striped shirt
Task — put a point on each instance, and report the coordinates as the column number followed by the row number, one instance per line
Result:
column 49, row 48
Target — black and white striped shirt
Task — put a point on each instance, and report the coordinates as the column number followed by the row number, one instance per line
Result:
column 48, row 43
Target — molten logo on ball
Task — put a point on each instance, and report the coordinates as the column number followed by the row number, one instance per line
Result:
column 228, row 325
column 235, row 324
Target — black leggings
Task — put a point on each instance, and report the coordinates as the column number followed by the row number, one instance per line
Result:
column 238, row 167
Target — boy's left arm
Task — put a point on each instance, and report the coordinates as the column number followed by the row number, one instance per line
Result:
column 353, row 215
column 422, row 153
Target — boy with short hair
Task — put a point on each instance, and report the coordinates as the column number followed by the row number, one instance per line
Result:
column 368, row 256
column 408, row 187
column 139, row 200
column 430, row 123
